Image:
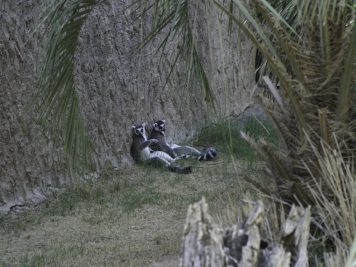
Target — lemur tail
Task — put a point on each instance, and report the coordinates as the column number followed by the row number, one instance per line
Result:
column 179, row 169
column 184, row 156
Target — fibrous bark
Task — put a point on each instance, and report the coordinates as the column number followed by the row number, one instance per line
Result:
column 206, row 244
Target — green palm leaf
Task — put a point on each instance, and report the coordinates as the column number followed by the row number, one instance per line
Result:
column 58, row 105
column 173, row 17
column 257, row 35
column 348, row 81
column 310, row 48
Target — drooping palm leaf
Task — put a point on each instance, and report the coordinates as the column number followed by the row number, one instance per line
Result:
column 347, row 87
column 173, row 19
column 58, row 106
column 309, row 47
column 257, row 35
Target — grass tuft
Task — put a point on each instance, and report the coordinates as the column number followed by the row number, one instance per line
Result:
column 34, row 261
column 69, row 199
column 225, row 136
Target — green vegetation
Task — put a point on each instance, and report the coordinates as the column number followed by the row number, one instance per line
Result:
column 34, row 261
column 53, row 257
column 225, row 136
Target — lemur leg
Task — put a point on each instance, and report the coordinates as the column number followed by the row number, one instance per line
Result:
column 186, row 150
column 157, row 162
column 160, row 162
column 162, row 155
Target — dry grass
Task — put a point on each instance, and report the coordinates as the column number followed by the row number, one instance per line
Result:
column 127, row 218
column 334, row 193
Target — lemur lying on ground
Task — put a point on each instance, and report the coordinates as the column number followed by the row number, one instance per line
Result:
column 158, row 133
column 141, row 152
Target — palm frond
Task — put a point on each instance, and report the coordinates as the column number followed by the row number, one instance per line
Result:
column 173, row 18
column 257, row 35
column 284, row 38
column 348, row 80
column 58, row 105
column 285, row 18
column 309, row 46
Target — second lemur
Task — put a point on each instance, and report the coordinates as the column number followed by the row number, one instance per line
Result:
column 158, row 133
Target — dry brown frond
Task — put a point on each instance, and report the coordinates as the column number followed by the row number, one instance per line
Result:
column 334, row 193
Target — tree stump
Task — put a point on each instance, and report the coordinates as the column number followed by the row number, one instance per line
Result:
column 205, row 244
column 202, row 242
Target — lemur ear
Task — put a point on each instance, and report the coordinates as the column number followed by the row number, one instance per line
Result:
column 144, row 124
column 155, row 124
column 133, row 126
column 164, row 121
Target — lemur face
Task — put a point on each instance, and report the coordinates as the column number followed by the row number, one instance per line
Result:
column 159, row 125
column 139, row 130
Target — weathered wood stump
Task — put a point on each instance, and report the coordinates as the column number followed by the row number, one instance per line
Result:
column 205, row 244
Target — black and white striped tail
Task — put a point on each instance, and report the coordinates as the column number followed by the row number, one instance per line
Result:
column 208, row 154
column 179, row 169
column 184, row 156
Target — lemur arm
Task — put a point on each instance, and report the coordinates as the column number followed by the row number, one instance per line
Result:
column 147, row 143
column 168, row 150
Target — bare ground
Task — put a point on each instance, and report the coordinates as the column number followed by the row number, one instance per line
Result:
column 132, row 217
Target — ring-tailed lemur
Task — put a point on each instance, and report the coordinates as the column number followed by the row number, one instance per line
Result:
column 158, row 133
column 141, row 152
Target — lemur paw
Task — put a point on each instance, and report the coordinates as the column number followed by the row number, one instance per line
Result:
column 184, row 156
column 208, row 154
